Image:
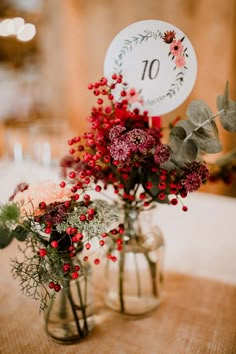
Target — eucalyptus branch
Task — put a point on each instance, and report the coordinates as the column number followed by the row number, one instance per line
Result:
column 209, row 120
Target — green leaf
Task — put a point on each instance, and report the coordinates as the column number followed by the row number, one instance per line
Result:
column 187, row 151
column 20, row 233
column 199, row 112
column 228, row 117
column 187, row 125
column 207, row 141
column 5, row 237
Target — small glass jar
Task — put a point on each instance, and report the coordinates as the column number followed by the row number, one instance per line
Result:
column 134, row 273
column 69, row 315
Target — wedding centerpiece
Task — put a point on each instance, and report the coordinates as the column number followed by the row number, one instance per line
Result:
column 56, row 230
column 124, row 148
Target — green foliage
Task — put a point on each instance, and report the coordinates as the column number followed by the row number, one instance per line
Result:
column 5, row 237
column 183, row 151
column 9, row 218
column 9, row 213
column 199, row 132
column 228, row 110
column 20, row 233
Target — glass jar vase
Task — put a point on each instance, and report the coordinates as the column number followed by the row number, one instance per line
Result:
column 69, row 315
column 134, row 270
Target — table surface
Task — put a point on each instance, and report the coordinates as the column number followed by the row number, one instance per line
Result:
column 198, row 313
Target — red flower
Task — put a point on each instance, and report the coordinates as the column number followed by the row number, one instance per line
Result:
column 169, row 36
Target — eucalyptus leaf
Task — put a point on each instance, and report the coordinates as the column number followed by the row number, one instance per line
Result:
column 207, row 142
column 5, row 237
column 228, row 117
column 187, row 125
column 184, row 151
column 178, row 133
column 169, row 165
column 224, row 101
column 228, row 106
column 198, row 113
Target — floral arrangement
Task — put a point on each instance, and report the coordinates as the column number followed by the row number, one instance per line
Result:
column 56, row 229
column 124, row 147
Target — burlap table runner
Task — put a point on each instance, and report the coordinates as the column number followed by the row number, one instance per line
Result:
column 196, row 316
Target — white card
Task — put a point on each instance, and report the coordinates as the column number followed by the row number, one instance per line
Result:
column 158, row 60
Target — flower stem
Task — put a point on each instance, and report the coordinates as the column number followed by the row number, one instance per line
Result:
column 83, row 305
column 121, row 278
column 80, row 332
column 137, row 276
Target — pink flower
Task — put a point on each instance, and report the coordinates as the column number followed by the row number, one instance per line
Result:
column 192, row 182
column 162, row 154
column 116, row 131
column 139, row 140
column 180, row 61
column 176, row 47
column 120, row 150
column 47, row 191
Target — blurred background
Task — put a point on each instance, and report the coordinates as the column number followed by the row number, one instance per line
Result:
column 51, row 49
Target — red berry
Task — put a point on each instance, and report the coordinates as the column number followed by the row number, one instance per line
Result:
column 57, row 287
column 83, row 217
column 48, row 230
column 174, row 201
column 76, row 268
column 42, row 205
column 62, row 184
column 98, row 188
column 85, row 258
column 91, row 211
column 119, row 241
column 86, row 197
column 185, row 208
column 148, row 185
column 42, row 252
column 79, row 236
column 54, row 244
column 161, row 196
column 101, row 243
column 72, row 174
column 96, row 261
column 51, row 285
column 66, row 267
column 87, row 180
column 69, row 230
column 74, row 275
column 88, row 245
column 100, row 101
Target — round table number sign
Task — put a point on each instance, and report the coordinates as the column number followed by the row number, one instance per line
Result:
column 158, row 60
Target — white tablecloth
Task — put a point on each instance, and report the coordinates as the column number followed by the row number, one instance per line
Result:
column 200, row 242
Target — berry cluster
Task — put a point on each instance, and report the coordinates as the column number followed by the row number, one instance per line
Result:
column 122, row 149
